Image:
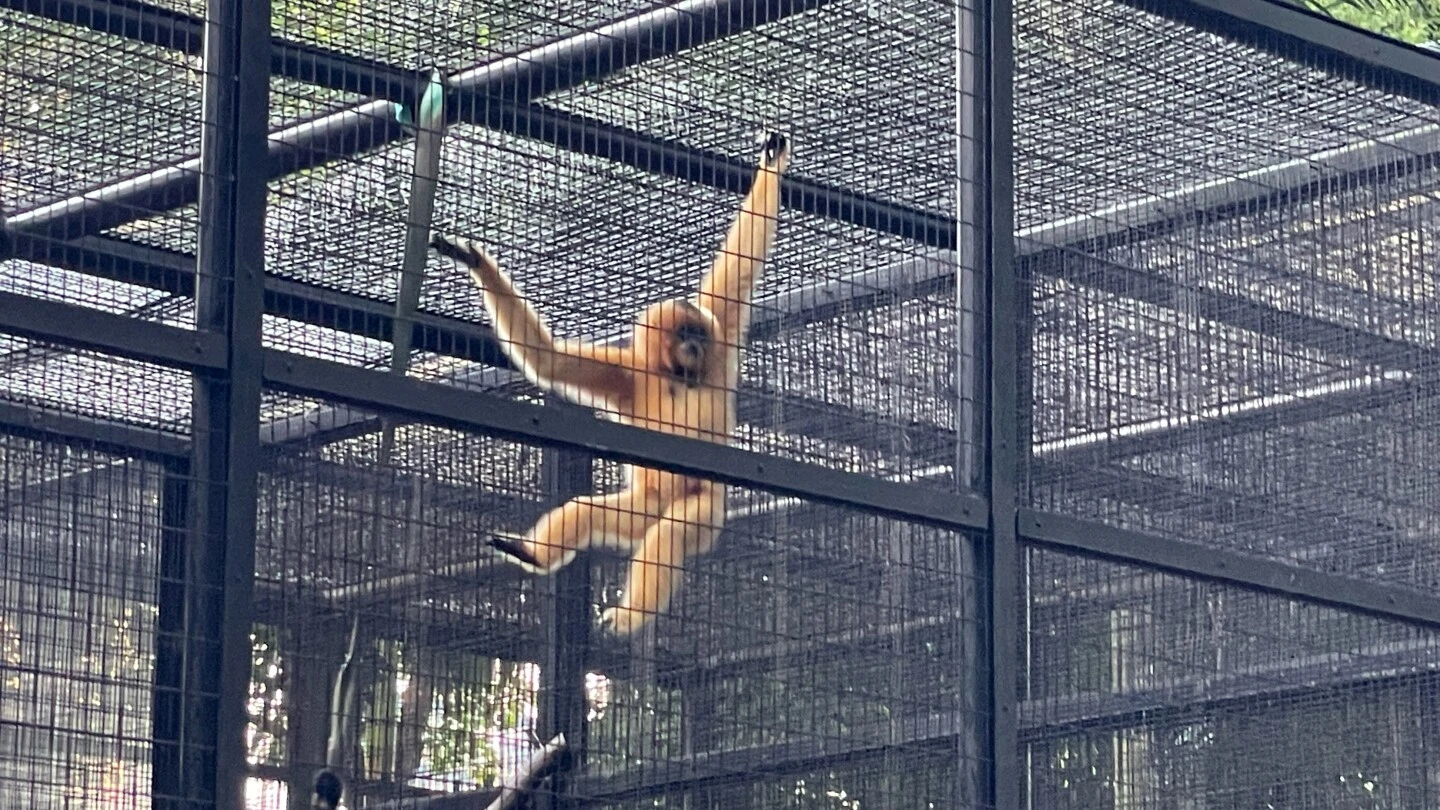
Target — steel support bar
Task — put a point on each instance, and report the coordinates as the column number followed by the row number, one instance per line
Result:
column 1210, row 563
column 515, row 79
column 518, row 421
column 989, row 164
column 1293, row 32
column 219, row 553
column 107, row 436
column 123, row 335
column 1293, row 682
column 567, row 621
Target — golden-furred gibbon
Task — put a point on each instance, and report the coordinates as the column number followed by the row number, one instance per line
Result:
column 677, row 375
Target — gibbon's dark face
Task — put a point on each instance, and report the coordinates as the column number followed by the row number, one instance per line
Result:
column 689, row 347
column 676, row 339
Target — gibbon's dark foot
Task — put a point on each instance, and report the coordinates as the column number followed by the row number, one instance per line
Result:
column 327, row 791
column 516, row 551
column 461, row 251
column 773, row 146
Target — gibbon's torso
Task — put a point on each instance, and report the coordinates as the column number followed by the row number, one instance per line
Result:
column 700, row 407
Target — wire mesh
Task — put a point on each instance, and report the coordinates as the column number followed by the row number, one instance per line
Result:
column 1147, row 690
column 809, row 633
column 1232, row 334
column 80, row 561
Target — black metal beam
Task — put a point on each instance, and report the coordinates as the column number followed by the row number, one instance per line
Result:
column 1291, row 682
column 507, row 419
column 565, row 604
column 1214, row 564
column 123, row 335
column 1293, row 32
column 108, row 436
column 168, row 688
column 514, row 79
column 989, row 165
column 219, row 553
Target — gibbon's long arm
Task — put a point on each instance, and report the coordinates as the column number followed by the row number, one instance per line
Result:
column 726, row 290
column 588, row 374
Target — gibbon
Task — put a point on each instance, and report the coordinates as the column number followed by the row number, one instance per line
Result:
column 677, row 375
column 327, row 791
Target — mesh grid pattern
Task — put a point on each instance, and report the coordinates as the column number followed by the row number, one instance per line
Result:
column 808, row 627
column 1148, row 690
column 1255, row 371
column 79, row 532
column 1249, row 364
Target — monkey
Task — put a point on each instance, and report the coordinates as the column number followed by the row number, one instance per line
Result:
column 327, row 790
column 677, row 375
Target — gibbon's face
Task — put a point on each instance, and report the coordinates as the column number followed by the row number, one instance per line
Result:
column 678, row 337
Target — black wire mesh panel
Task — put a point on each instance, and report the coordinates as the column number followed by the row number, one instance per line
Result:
column 1233, row 328
column 817, row 647
column 854, row 359
column 92, row 540
column 1148, row 690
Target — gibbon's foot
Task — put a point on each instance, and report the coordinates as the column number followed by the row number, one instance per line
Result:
column 622, row 621
column 773, row 148
column 517, row 554
column 463, row 251
column 327, row 790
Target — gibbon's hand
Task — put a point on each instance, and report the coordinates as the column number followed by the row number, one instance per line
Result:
column 774, row 150
column 466, row 253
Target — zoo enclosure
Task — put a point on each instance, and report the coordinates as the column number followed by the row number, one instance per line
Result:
column 1216, row 306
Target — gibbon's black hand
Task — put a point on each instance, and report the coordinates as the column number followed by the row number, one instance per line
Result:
column 515, row 550
column 463, row 253
column 772, row 146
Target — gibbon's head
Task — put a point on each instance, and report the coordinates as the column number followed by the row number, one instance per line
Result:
column 676, row 339
column 327, row 791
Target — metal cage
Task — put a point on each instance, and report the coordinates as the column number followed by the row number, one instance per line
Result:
column 1083, row 448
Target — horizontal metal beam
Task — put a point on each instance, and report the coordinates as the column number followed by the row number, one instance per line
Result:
column 1210, row 563
column 1291, row 682
column 123, row 335
column 1293, row 32
column 513, row 79
column 445, row 404
column 116, row 438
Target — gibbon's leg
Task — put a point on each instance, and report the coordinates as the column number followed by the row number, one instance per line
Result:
column 686, row 530
column 617, row 520
column 591, row 375
column 727, row 288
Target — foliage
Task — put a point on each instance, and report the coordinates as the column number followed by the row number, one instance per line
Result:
column 1415, row 21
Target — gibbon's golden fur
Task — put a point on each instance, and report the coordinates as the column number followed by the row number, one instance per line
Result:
column 678, row 375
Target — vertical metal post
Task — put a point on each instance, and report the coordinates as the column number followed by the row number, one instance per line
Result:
column 568, row 622
column 165, row 709
column 993, row 60
column 229, row 295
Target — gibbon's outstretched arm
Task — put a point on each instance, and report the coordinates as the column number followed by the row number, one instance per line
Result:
column 726, row 290
column 590, row 375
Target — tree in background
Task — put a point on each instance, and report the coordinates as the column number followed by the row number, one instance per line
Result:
column 1413, row 21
